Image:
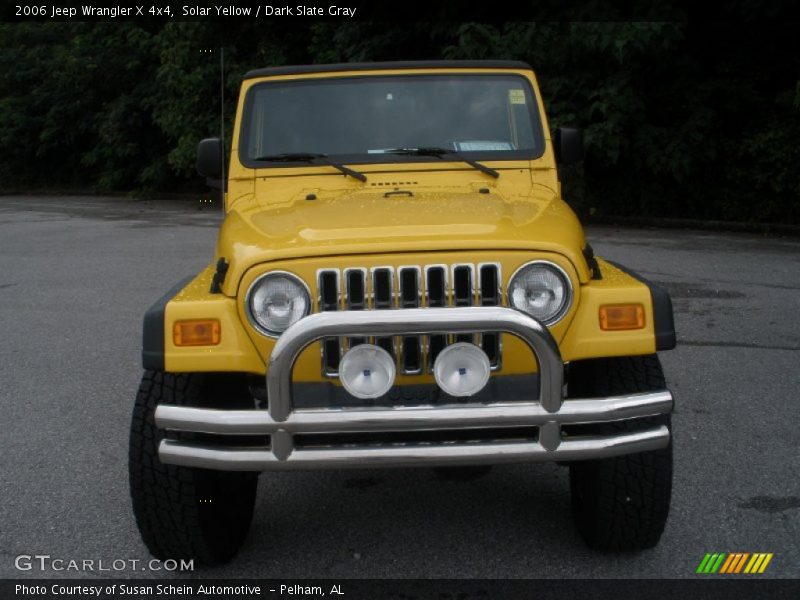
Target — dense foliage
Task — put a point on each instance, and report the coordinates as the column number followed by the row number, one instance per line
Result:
column 681, row 119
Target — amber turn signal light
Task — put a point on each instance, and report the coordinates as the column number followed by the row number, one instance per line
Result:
column 616, row 317
column 196, row 332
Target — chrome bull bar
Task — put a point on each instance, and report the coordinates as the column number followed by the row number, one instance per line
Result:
column 549, row 412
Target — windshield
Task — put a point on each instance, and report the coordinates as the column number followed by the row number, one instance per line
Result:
column 367, row 119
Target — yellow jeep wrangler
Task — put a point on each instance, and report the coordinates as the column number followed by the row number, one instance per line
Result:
column 398, row 283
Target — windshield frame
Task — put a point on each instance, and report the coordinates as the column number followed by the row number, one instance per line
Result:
column 379, row 158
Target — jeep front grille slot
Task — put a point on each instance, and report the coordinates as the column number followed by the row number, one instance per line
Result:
column 328, row 282
column 382, row 287
column 329, row 290
column 355, row 296
column 390, row 288
column 490, row 295
column 462, row 294
column 410, row 295
column 489, row 285
column 436, row 287
column 382, row 294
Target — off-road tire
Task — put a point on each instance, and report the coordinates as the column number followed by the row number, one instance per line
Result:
column 621, row 504
column 184, row 513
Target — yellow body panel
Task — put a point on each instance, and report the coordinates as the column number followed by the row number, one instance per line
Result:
column 365, row 222
column 450, row 219
column 585, row 339
column 235, row 352
column 243, row 349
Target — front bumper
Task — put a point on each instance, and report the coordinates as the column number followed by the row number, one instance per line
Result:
column 285, row 425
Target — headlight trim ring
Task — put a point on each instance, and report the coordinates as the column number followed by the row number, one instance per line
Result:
column 566, row 304
column 254, row 286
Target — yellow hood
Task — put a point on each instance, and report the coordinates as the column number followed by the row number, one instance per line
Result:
column 367, row 222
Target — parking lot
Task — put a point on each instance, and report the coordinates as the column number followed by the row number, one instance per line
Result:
column 77, row 274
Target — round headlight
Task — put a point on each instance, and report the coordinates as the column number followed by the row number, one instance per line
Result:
column 276, row 301
column 542, row 290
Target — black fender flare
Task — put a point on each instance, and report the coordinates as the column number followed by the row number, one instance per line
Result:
column 153, row 329
column 663, row 320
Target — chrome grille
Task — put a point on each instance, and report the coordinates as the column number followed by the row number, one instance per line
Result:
column 409, row 286
column 463, row 293
column 410, row 297
column 355, row 296
column 383, row 299
column 328, row 299
column 438, row 293
column 489, row 288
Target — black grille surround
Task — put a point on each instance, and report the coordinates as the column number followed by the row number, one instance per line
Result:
column 410, row 286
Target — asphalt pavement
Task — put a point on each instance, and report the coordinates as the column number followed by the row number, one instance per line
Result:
column 78, row 273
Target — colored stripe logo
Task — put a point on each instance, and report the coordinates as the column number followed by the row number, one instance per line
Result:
column 734, row 563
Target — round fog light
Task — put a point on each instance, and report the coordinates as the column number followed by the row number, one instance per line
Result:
column 462, row 369
column 367, row 371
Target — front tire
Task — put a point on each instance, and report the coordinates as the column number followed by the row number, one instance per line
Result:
column 621, row 504
column 181, row 512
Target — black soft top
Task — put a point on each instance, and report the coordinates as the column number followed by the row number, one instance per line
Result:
column 371, row 66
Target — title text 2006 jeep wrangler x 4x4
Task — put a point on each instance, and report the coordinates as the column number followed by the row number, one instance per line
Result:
column 397, row 282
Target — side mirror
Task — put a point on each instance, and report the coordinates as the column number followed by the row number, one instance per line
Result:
column 568, row 144
column 209, row 158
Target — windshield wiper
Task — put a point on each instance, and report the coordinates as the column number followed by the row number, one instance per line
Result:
column 441, row 153
column 309, row 157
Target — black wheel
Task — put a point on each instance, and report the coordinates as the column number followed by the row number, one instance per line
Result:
column 185, row 512
column 621, row 504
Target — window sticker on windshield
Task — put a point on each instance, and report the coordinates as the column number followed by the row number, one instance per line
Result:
column 516, row 96
column 482, row 146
